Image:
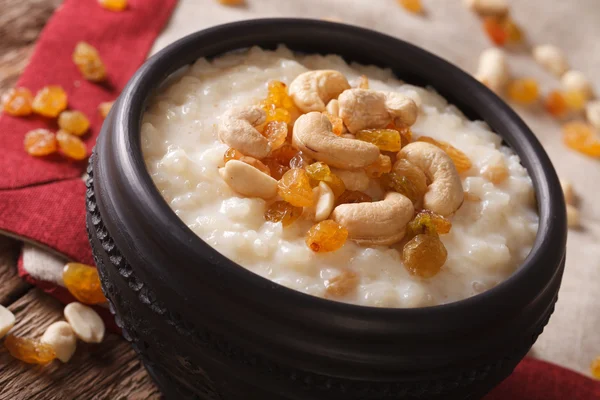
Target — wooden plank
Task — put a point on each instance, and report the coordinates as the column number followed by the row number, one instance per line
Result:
column 11, row 286
column 109, row 370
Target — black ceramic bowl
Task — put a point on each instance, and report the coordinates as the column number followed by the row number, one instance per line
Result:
column 207, row 328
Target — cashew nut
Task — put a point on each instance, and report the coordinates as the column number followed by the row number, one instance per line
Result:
column 237, row 130
column 576, row 81
column 313, row 89
column 247, row 180
column 445, row 193
column 379, row 223
column 85, row 322
column 61, row 337
column 325, row 202
column 333, row 107
column 7, row 320
column 493, row 69
column 551, row 58
column 367, row 109
column 313, row 135
column 353, row 179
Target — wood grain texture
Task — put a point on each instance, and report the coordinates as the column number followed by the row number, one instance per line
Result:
column 11, row 286
column 109, row 370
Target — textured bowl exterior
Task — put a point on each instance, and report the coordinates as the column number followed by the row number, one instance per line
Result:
column 207, row 328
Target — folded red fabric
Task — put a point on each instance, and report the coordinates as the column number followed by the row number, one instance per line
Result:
column 42, row 199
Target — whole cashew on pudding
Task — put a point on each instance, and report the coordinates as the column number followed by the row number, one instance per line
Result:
column 339, row 180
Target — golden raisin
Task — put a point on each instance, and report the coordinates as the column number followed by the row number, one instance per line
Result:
column 336, row 184
column 300, row 160
column 113, row 5
column 279, row 106
column 495, row 31
column 50, row 101
column 353, row 196
column 294, row 187
column 74, row 122
column 231, row 154
column 40, row 142
column 514, row 34
column 523, row 90
column 232, row 2
column 104, row 108
column 71, row 145
column 428, row 223
column 363, row 82
column 277, row 169
column 424, row 255
column 17, row 102
column 87, row 59
column 412, row 6
column 342, row 284
column 460, row 159
column 284, row 154
column 595, row 368
column 337, row 124
column 581, row 137
column 256, row 164
column 29, row 350
column 385, row 139
column 326, row 236
column 406, row 179
column 495, row 172
column 556, row 104
column 405, row 136
column 320, row 171
column 276, row 132
column 283, row 212
column 575, row 99
column 383, row 165
column 83, row 283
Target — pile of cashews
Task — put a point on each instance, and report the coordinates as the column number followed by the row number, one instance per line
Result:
column 318, row 92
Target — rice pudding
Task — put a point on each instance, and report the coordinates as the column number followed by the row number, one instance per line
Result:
column 362, row 241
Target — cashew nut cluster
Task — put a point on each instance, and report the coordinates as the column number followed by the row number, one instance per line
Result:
column 312, row 90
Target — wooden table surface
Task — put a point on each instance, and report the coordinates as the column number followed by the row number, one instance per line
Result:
column 109, row 370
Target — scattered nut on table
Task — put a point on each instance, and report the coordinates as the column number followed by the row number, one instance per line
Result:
column 85, row 322
column 592, row 113
column 7, row 321
column 551, row 58
column 576, row 81
column 493, row 70
column 61, row 337
column 493, row 8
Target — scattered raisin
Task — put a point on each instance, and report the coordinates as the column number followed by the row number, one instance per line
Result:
column 342, row 284
column 232, row 2
column 294, row 187
column 104, row 108
column 412, row 6
column 279, row 106
column 317, row 172
column 595, row 368
column 83, row 283
column 277, row 169
column 74, row 122
column 17, row 102
column 383, row 165
column 284, row 154
column 555, row 104
column 71, row 145
column 575, row 99
column 514, row 34
column 29, row 350
column 385, row 139
column 581, row 137
column 50, row 101
column 276, row 132
column 300, row 161
column 113, row 5
column 424, row 255
column 87, row 59
column 523, row 90
column 40, row 142
column 461, row 161
column 353, row 196
column 283, row 212
column 336, row 184
column 495, row 31
column 428, row 223
column 326, row 236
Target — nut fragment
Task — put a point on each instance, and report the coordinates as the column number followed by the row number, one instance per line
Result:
column 353, row 179
column 568, row 191
column 576, row 81
column 312, row 90
column 369, row 109
column 85, row 322
column 573, row 217
column 237, row 130
column 313, row 135
column 592, row 113
column 494, row 8
column 247, row 180
column 377, row 223
column 7, row 321
column 61, row 337
column 445, row 193
column 325, row 202
column 551, row 58
column 493, row 69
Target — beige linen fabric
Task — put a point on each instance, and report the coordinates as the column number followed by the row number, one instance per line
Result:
column 454, row 33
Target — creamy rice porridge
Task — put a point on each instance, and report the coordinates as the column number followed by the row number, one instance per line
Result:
column 492, row 231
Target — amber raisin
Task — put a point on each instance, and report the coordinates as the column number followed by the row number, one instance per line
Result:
column 336, row 184
column 294, row 187
column 284, row 212
column 555, row 104
column 87, row 59
column 284, row 154
column 412, row 6
column 429, row 223
column 231, row 154
column 300, row 161
column 460, row 159
column 575, row 99
column 353, row 196
column 363, row 82
column 405, row 136
column 17, row 102
column 40, row 142
column 50, row 101
column 277, row 169
column 424, row 255
column 595, row 368
column 383, row 165
column 337, row 124
column 71, row 146
column 523, row 90
column 342, row 284
column 104, row 108
column 385, row 139
column 256, row 164
column 74, row 122
column 326, row 236
column 581, row 137
column 406, row 179
column 317, row 172
column 29, row 350
column 113, row 5
column 279, row 106
column 83, row 283
column 495, row 31
column 276, row 132
column 514, row 34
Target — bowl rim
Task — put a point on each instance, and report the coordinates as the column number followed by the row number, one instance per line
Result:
column 518, row 290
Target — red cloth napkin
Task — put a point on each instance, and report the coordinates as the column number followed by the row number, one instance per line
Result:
column 42, row 199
